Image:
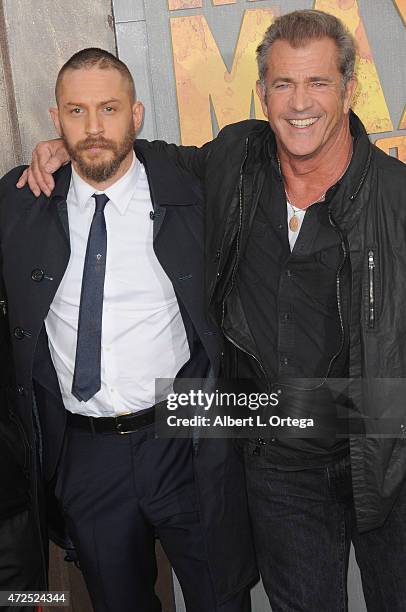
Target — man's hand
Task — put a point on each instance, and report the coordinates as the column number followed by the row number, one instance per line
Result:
column 47, row 157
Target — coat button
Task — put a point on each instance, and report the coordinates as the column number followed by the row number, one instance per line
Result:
column 37, row 275
column 20, row 389
column 152, row 215
column 20, row 333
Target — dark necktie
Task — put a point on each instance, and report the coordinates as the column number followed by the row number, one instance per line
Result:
column 86, row 378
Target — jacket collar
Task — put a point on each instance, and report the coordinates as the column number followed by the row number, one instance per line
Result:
column 169, row 184
column 352, row 191
column 62, row 181
column 58, row 198
column 119, row 193
column 344, row 198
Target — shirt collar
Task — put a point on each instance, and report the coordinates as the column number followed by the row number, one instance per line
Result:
column 119, row 194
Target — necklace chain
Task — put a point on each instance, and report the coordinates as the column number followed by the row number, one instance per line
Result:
column 294, row 223
column 319, row 199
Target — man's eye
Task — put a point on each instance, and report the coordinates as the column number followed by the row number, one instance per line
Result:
column 318, row 84
column 108, row 109
column 76, row 111
column 282, row 86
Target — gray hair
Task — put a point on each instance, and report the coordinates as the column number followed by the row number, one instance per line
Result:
column 298, row 27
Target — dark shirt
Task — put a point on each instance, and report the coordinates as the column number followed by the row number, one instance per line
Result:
column 290, row 301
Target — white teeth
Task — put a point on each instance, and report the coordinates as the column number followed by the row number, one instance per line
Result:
column 302, row 123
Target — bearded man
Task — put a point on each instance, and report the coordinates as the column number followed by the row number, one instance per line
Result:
column 105, row 294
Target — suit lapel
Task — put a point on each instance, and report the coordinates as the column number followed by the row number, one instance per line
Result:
column 62, row 209
column 179, row 237
column 169, row 185
column 159, row 216
column 59, row 196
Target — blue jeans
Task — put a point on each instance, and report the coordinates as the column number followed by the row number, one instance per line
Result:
column 303, row 524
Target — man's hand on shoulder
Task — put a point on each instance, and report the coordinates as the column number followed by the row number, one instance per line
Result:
column 47, row 158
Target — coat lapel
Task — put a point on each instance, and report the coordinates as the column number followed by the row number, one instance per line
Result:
column 59, row 197
column 169, row 185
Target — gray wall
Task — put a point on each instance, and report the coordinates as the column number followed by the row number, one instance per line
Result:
column 38, row 36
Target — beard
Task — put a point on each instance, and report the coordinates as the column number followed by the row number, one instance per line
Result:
column 97, row 171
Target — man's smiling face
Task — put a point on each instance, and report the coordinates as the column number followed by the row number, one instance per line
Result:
column 305, row 101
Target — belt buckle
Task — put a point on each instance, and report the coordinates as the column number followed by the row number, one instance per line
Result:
column 119, row 425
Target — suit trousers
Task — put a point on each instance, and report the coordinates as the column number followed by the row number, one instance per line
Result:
column 117, row 494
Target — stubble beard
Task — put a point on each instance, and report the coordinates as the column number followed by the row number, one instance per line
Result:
column 95, row 171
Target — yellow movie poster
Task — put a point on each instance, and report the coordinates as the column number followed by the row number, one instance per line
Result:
column 211, row 95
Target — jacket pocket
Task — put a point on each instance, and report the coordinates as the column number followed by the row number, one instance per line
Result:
column 18, row 441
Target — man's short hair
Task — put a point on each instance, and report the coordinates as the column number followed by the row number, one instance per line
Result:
column 95, row 58
column 299, row 27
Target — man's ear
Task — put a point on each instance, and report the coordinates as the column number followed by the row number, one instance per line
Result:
column 138, row 115
column 349, row 92
column 262, row 97
column 53, row 111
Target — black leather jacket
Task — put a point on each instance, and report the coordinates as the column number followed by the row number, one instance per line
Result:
column 368, row 209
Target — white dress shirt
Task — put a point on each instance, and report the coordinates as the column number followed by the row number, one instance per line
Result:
column 143, row 336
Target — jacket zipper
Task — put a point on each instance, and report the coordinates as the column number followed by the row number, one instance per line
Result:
column 371, row 289
column 338, row 293
column 241, row 348
column 238, row 346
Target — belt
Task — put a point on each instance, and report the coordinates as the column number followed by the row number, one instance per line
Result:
column 127, row 423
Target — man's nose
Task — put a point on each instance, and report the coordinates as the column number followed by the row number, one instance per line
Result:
column 300, row 99
column 94, row 124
